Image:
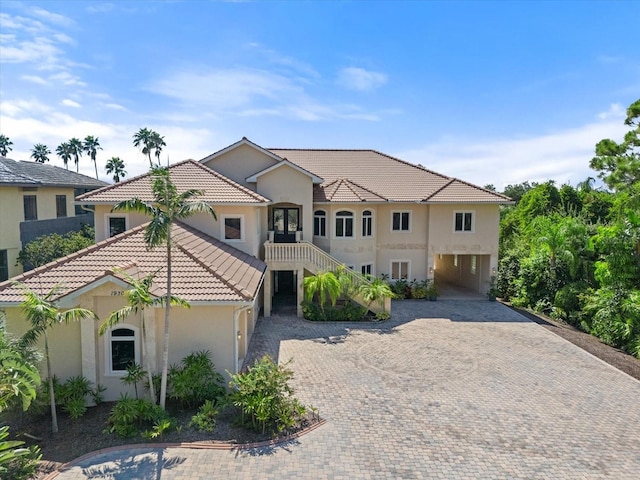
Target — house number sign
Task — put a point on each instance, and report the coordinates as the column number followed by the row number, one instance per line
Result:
column 117, row 293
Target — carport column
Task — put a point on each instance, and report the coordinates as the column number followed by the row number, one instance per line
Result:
column 431, row 264
column 300, row 291
column 88, row 348
column 267, row 292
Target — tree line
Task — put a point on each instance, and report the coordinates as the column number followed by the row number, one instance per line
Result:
column 574, row 252
column 146, row 140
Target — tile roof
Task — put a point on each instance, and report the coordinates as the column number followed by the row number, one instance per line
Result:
column 33, row 174
column 344, row 190
column 203, row 269
column 382, row 175
column 457, row 191
column 185, row 175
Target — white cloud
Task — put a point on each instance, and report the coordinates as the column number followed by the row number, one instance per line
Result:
column 563, row 156
column 34, row 79
column 359, row 79
column 115, row 106
column 100, row 8
column 51, row 17
column 70, row 103
column 67, row 78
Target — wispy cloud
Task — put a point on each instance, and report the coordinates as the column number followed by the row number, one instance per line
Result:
column 70, row 103
column 359, row 79
column 51, row 17
column 563, row 156
column 34, row 79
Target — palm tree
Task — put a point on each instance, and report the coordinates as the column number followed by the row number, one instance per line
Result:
column 375, row 291
column 91, row 146
column 147, row 140
column 5, row 145
column 42, row 313
column 138, row 298
column 76, row 149
column 168, row 205
column 326, row 285
column 115, row 166
column 19, row 376
column 65, row 152
column 40, row 153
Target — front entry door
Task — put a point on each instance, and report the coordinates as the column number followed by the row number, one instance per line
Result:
column 285, row 224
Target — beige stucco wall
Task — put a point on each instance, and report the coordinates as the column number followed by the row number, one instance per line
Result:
column 484, row 239
column 102, row 212
column 12, row 214
column 240, row 163
column 286, row 185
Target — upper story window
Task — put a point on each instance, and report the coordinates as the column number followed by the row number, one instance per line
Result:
column 367, row 223
column 463, row 221
column 122, row 349
column 401, row 221
column 233, row 228
column 30, row 207
column 320, row 223
column 344, row 224
column 116, row 224
column 61, row 206
column 4, row 266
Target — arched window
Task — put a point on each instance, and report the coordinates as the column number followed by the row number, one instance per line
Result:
column 344, row 224
column 320, row 223
column 122, row 349
column 367, row 223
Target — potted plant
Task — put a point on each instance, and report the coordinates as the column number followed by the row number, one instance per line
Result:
column 492, row 292
column 432, row 290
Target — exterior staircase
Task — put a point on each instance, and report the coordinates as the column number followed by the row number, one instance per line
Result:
column 305, row 255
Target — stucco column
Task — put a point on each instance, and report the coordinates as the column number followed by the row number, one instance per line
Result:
column 150, row 333
column 300, row 291
column 88, row 349
column 267, row 292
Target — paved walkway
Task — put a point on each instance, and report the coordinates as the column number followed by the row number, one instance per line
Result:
column 446, row 389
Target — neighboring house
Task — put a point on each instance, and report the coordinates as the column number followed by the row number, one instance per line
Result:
column 281, row 215
column 37, row 199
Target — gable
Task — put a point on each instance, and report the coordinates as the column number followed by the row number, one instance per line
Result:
column 241, row 161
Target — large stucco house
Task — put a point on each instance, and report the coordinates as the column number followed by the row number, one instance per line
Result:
column 281, row 214
column 37, row 199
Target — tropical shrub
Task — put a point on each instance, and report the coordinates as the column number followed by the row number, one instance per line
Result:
column 205, row 419
column 195, row 380
column 265, row 398
column 131, row 416
column 17, row 462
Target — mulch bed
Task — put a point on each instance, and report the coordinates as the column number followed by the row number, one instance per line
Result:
column 613, row 356
column 78, row 437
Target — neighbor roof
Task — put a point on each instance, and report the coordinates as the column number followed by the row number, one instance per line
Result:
column 203, row 268
column 384, row 176
column 33, row 174
column 185, row 175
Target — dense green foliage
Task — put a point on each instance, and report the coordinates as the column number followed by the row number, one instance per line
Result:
column 265, row 397
column 47, row 248
column 133, row 416
column 195, row 380
column 574, row 252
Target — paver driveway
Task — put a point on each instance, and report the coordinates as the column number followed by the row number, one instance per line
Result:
column 451, row 389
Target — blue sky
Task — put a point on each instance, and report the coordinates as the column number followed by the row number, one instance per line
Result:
column 490, row 92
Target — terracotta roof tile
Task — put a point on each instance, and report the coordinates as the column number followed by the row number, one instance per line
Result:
column 383, row 175
column 344, row 190
column 185, row 175
column 462, row 192
column 214, row 271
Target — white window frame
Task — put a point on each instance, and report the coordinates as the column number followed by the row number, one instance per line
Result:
column 370, row 264
column 370, row 222
column 223, row 218
column 353, row 224
column 108, row 371
column 320, row 217
column 408, row 262
column 400, row 212
column 473, row 221
column 108, row 216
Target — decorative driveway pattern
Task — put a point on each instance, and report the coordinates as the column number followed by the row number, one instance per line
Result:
column 447, row 389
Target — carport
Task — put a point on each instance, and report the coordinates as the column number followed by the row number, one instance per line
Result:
column 460, row 273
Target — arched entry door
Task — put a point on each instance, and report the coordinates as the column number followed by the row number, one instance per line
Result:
column 286, row 222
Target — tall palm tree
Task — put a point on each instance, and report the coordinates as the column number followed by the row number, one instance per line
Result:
column 168, row 205
column 42, row 313
column 65, row 152
column 40, row 153
column 147, row 141
column 91, row 146
column 76, row 148
column 139, row 297
column 115, row 166
column 5, row 145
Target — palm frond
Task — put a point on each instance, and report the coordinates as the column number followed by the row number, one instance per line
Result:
column 115, row 318
column 134, row 205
